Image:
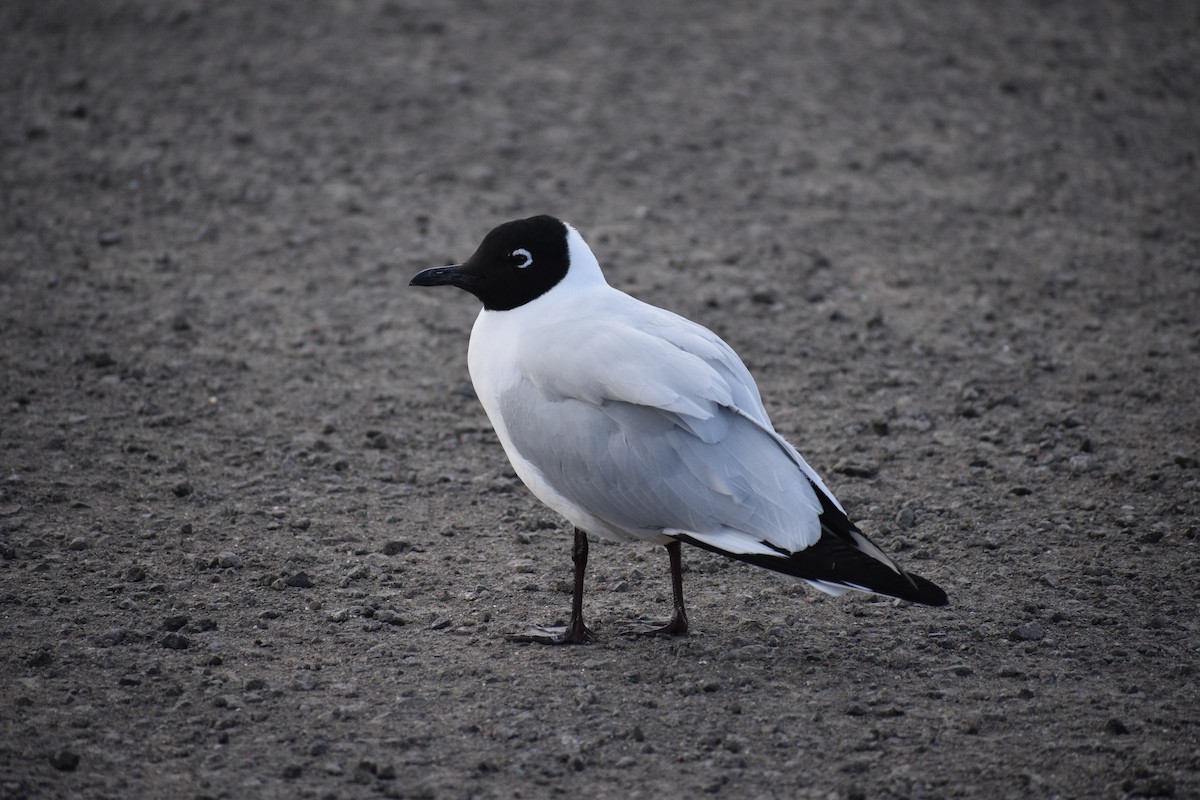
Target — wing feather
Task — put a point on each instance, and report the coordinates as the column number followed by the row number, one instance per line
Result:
column 660, row 428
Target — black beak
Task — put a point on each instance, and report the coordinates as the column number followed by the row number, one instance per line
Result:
column 453, row 275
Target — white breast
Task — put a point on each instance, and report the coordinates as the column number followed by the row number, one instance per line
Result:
column 492, row 358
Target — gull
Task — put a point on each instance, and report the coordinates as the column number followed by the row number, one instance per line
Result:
column 636, row 424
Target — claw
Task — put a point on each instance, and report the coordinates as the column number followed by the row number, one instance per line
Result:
column 554, row 634
column 650, row 627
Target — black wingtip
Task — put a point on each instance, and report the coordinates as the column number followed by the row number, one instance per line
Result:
column 926, row 592
column 836, row 560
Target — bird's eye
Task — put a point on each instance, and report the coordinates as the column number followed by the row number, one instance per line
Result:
column 521, row 259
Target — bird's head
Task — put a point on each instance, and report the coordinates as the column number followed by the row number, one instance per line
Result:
column 517, row 262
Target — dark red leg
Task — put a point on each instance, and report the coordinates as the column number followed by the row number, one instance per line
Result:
column 576, row 632
column 678, row 624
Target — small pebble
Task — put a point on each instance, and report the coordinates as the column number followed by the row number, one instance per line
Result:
column 100, row 359
column 64, row 760
column 112, row 637
column 227, row 560
column 857, row 469
column 304, row 681
column 40, row 658
column 176, row 641
column 1081, row 463
column 359, row 572
column 175, row 622
column 1029, row 632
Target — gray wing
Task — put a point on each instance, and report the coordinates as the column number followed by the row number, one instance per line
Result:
column 649, row 435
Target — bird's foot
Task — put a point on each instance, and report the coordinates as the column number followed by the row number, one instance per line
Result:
column 555, row 634
column 651, row 627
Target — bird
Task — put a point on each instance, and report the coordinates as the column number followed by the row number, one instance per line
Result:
column 639, row 425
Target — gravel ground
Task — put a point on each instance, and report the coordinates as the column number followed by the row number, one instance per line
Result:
column 257, row 538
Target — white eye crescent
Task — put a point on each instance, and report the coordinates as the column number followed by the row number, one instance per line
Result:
column 522, row 259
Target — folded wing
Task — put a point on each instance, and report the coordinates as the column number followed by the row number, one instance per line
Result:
column 660, row 428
